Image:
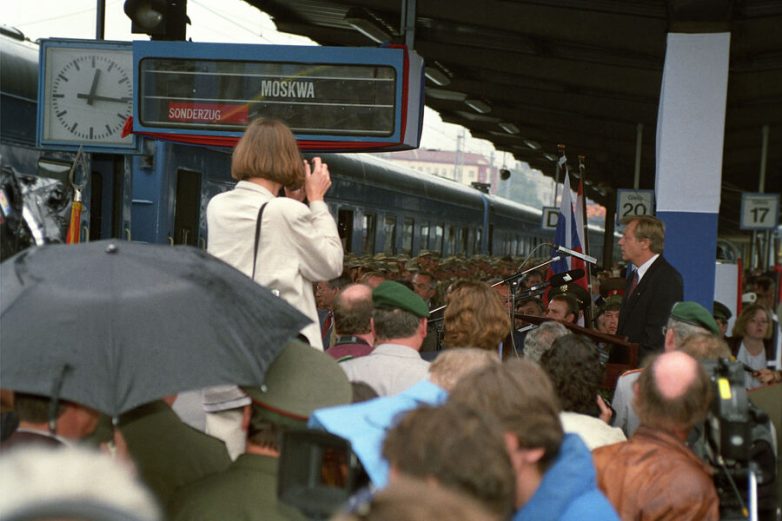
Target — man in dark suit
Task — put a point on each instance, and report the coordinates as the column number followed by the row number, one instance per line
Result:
column 653, row 287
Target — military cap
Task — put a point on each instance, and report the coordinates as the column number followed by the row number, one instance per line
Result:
column 721, row 311
column 574, row 290
column 612, row 286
column 693, row 313
column 393, row 295
column 612, row 303
column 300, row 380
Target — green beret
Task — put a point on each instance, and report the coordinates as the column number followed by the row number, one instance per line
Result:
column 393, row 295
column 721, row 311
column 300, row 380
column 693, row 313
column 612, row 303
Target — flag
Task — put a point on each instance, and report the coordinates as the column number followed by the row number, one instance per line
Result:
column 566, row 235
column 581, row 231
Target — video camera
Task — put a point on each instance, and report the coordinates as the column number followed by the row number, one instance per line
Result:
column 737, row 440
column 318, row 472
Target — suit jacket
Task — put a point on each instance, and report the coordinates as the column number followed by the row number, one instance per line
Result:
column 298, row 244
column 646, row 311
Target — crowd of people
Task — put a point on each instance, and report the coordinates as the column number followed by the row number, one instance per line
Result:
column 467, row 387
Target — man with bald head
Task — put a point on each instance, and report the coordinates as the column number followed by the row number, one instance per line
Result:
column 667, row 480
column 352, row 323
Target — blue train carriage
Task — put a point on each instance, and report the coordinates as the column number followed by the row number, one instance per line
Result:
column 382, row 207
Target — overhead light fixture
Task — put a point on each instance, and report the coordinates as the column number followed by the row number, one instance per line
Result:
column 510, row 128
column 479, row 106
column 534, row 145
column 371, row 26
column 445, row 94
column 437, row 74
column 477, row 117
column 550, row 156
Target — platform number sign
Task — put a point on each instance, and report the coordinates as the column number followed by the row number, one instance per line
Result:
column 550, row 217
column 759, row 211
column 631, row 203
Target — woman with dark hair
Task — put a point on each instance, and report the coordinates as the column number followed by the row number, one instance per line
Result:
column 298, row 244
column 751, row 341
column 573, row 364
column 474, row 317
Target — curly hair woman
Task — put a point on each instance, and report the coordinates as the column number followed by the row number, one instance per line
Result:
column 474, row 317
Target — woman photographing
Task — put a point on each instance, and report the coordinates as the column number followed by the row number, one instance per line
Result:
column 296, row 244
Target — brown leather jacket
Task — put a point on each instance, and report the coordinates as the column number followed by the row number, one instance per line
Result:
column 654, row 476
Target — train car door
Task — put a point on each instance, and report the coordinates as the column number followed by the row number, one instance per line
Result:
column 187, row 207
column 108, row 197
column 345, row 228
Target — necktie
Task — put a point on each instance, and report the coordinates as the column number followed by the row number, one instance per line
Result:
column 327, row 324
column 634, row 283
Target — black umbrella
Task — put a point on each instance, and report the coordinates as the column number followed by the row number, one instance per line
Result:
column 125, row 323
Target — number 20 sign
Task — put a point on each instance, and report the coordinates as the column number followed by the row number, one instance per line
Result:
column 759, row 211
column 630, row 203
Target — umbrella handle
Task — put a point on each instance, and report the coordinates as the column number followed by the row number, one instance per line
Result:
column 74, row 227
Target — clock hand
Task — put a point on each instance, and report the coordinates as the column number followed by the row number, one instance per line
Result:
column 101, row 98
column 94, row 87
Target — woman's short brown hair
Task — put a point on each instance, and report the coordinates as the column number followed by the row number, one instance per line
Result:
column 747, row 314
column 475, row 317
column 268, row 150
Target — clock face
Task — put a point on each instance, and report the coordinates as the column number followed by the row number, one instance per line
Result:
column 88, row 95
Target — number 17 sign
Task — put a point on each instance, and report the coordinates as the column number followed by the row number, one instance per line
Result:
column 759, row 211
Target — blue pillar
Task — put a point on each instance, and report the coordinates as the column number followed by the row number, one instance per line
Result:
column 690, row 134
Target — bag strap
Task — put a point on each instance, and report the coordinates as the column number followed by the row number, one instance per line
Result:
column 257, row 236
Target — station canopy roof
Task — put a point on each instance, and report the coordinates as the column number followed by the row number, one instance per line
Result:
column 583, row 73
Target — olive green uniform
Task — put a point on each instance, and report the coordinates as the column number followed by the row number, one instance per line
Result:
column 168, row 453
column 247, row 491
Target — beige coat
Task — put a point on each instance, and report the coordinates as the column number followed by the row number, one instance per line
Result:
column 299, row 244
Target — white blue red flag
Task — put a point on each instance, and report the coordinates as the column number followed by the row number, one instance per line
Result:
column 568, row 234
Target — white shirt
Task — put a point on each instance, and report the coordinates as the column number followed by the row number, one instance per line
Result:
column 643, row 268
column 389, row 369
column 594, row 431
column 756, row 362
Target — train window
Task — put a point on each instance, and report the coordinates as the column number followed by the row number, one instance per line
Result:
column 345, row 227
column 436, row 242
column 478, row 245
column 451, row 241
column 407, row 235
column 491, row 239
column 187, row 207
column 465, row 243
column 424, row 241
column 389, row 229
column 370, row 221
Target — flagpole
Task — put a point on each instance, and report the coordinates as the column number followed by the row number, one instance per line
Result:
column 587, row 265
column 561, row 163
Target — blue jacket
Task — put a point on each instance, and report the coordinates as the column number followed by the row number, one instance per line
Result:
column 568, row 491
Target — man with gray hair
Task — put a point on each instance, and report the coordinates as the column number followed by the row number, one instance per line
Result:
column 687, row 319
column 399, row 322
column 539, row 340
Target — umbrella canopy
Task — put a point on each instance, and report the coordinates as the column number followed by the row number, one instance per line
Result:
column 125, row 323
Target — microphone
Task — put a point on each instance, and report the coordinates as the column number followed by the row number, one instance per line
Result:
column 558, row 279
column 573, row 253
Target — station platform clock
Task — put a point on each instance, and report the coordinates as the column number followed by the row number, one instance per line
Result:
column 85, row 94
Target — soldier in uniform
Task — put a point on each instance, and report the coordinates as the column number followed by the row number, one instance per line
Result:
column 300, row 380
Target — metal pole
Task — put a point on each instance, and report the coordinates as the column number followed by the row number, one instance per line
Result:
column 639, row 135
column 408, row 22
column 765, row 248
column 100, row 20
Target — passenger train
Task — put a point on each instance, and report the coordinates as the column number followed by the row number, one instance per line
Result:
column 160, row 194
